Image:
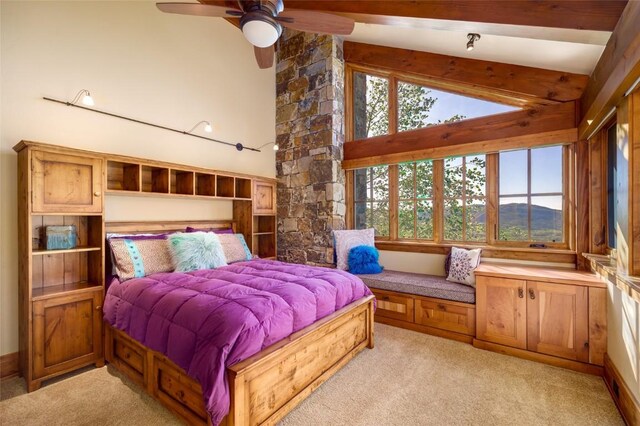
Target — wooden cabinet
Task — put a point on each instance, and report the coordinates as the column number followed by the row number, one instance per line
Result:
column 555, row 313
column 60, row 291
column 446, row 315
column 394, row 305
column 501, row 311
column 264, row 197
column 558, row 320
column 67, row 332
column 63, row 183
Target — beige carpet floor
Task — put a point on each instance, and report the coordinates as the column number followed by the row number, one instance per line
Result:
column 408, row 379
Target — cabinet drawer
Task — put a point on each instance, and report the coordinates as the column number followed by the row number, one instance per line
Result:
column 452, row 316
column 394, row 305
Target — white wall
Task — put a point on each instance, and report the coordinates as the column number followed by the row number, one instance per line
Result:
column 623, row 342
column 136, row 61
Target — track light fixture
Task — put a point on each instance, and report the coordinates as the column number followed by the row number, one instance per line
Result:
column 275, row 146
column 473, row 37
column 207, row 126
column 86, row 99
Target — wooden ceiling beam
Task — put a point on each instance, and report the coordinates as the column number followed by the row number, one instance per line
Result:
column 557, row 122
column 573, row 14
column 524, row 85
column 616, row 71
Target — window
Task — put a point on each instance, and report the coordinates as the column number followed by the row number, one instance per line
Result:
column 612, row 149
column 371, row 199
column 531, row 195
column 465, row 198
column 370, row 105
column 421, row 106
column 415, row 200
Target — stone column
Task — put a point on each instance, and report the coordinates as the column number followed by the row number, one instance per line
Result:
column 310, row 133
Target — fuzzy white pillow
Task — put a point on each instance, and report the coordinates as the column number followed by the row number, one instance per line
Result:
column 346, row 240
column 196, row 250
column 463, row 263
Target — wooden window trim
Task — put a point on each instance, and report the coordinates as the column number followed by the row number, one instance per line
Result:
column 560, row 252
column 415, row 201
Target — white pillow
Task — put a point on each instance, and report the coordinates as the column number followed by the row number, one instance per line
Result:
column 463, row 263
column 346, row 240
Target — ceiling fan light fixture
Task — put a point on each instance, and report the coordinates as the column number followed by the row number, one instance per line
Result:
column 260, row 29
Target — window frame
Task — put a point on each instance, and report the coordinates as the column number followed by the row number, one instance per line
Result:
column 566, row 202
column 561, row 251
column 415, row 201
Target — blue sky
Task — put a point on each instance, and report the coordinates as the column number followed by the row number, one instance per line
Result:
column 449, row 104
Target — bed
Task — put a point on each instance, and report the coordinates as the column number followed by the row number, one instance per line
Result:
column 269, row 334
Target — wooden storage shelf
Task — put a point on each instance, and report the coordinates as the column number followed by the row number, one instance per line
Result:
column 79, row 249
column 225, row 186
column 263, row 233
column 205, row 184
column 58, row 290
column 123, row 176
column 264, row 224
column 182, row 182
column 243, row 188
column 264, row 245
column 155, row 179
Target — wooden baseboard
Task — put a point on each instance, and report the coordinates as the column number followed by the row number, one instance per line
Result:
column 425, row 329
column 596, row 370
column 621, row 394
column 9, row 365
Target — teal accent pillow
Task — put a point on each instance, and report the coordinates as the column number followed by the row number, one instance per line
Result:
column 196, row 250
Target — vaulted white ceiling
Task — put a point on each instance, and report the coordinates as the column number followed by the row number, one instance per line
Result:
column 573, row 51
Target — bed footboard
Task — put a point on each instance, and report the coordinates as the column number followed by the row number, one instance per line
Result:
column 264, row 387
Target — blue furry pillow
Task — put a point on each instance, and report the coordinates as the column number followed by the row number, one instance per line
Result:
column 364, row 260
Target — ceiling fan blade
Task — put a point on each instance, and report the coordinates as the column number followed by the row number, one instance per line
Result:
column 315, row 22
column 264, row 56
column 198, row 9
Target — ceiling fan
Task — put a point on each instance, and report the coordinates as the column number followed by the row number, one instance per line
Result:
column 261, row 22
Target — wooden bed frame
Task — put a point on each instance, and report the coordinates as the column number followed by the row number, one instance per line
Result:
column 264, row 387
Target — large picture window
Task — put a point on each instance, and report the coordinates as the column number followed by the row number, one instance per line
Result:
column 415, row 200
column 371, row 199
column 531, row 200
column 465, row 199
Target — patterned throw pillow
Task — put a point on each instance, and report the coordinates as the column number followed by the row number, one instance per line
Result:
column 463, row 263
column 234, row 247
column 346, row 240
column 137, row 257
column 196, row 250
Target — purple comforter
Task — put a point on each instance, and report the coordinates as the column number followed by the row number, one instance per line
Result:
column 207, row 320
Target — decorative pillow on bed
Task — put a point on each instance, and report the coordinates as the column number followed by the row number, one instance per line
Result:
column 463, row 263
column 346, row 240
column 139, row 256
column 214, row 230
column 196, row 250
column 364, row 260
column 234, row 247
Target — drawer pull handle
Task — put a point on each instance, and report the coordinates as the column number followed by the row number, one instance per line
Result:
column 96, row 194
column 532, row 295
column 520, row 293
column 98, row 307
column 385, row 297
column 442, row 307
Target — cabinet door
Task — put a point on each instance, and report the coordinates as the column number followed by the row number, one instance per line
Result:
column 264, row 197
column 558, row 320
column 501, row 311
column 67, row 332
column 394, row 305
column 64, row 183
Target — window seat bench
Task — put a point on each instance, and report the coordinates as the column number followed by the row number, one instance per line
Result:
column 425, row 303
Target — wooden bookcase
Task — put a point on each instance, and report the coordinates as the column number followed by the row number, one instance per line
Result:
column 61, row 291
